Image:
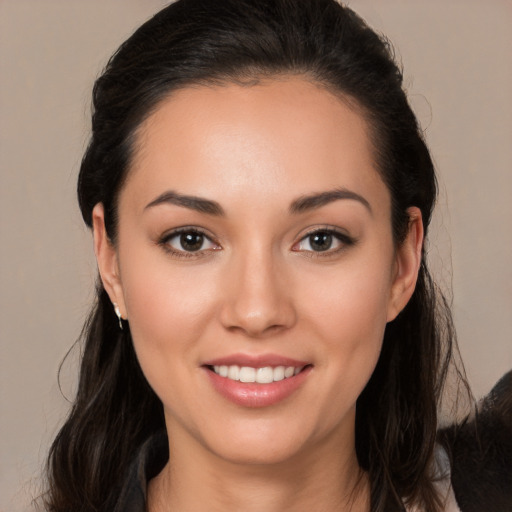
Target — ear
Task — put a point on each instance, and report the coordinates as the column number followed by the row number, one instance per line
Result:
column 407, row 264
column 107, row 259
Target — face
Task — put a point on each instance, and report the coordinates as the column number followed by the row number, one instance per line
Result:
column 256, row 267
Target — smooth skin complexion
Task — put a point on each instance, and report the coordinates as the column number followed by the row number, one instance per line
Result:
column 255, row 231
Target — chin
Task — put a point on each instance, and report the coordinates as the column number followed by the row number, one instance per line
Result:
column 256, row 453
column 267, row 442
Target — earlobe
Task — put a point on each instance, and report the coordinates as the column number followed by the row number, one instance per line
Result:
column 408, row 262
column 107, row 259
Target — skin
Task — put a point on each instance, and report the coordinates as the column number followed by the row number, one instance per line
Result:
column 255, row 287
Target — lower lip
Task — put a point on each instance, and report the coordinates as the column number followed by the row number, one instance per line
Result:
column 249, row 394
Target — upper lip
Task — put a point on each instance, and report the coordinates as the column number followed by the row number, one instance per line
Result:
column 256, row 361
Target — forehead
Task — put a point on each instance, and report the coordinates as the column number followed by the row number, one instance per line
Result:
column 272, row 141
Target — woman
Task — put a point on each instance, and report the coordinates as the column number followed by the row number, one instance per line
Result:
column 267, row 335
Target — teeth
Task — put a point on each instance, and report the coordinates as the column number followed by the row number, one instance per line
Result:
column 234, row 372
column 279, row 373
column 247, row 374
column 264, row 375
column 289, row 371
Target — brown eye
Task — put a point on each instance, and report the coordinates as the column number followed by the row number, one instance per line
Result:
column 327, row 241
column 320, row 241
column 191, row 241
column 188, row 241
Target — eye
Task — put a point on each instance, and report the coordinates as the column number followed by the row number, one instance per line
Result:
column 188, row 240
column 323, row 240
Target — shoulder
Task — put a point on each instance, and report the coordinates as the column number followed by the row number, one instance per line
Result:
column 479, row 451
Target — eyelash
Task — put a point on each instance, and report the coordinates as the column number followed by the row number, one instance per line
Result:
column 165, row 239
column 344, row 239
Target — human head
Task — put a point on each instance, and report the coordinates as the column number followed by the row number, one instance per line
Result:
column 240, row 41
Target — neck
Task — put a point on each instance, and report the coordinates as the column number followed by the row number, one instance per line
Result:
column 312, row 480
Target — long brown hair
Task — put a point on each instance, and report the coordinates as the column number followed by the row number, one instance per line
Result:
column 204, row 41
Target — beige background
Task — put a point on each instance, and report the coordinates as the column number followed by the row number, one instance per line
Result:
column 458, row 66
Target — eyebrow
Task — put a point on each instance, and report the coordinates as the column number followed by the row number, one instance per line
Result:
column 301, row 205
column 312, row 202
column 193, row 203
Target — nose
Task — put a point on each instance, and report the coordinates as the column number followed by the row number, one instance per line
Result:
column 258, row 299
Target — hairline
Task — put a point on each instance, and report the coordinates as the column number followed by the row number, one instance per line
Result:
column 248, row 77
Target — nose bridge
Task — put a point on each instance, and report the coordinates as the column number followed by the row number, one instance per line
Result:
column 258, row 300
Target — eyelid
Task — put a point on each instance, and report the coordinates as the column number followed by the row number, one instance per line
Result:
column 341, row 236
column 169, row 235
column 344, row 239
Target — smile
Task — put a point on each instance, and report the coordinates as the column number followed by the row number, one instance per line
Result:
column 257, row 381
column 264, row 375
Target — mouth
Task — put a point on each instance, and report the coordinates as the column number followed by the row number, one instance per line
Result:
column 259, row 375
column 257, row 381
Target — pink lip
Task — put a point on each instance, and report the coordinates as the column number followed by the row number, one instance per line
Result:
column 255, row 361
column 253, row 394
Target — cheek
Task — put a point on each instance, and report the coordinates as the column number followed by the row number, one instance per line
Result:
column 347, row 312
column 168, row 307
column 350, row 302
column 169, row 310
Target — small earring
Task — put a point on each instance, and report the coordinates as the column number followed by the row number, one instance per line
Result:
column 119, row 317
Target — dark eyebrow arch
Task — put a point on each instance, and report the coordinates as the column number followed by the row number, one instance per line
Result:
column 193, row 203
column 311, row 202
